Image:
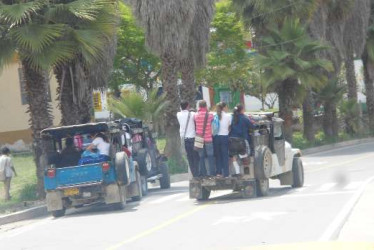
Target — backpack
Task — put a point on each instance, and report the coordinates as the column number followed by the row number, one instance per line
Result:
column 215, row 125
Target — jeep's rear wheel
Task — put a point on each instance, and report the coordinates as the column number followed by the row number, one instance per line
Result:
column 122, row 168
column 205, row 193
column 139, row 187
column 144, row 185
column 297, row 172
column 262, row 187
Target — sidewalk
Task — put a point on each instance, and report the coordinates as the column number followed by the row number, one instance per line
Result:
column 360, row 224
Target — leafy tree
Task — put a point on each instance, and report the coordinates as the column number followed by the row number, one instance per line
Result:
column 290, row 66
column 133, row 64
column 228, row 60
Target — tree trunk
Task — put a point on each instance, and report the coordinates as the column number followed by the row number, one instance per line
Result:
column 286, row 103
column 369, row 87
column 330, row 120
column 308, row 117
column 188, row 87
column 169, row 81
column 75, row 108
column 40, row 117
column 352, row 90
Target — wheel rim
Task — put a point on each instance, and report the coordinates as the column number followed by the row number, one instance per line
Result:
column 267, row 164
column 148, row 162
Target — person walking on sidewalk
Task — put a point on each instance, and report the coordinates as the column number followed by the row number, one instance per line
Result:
column 7, row 171
column 221, row 140
column 204, row 139
column 187, row 132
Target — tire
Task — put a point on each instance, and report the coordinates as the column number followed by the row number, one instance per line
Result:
column 205, row 193
column 58, row 213
column 121, row 164
column 297, row 172
column 144, row 186
column 263, row 163
column 262, row 187
column 139, row 186
column 145, row 162
column 118, row 206
column 165, row 179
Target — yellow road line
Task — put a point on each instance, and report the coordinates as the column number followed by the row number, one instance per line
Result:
column 339, row 164
column 159, row 227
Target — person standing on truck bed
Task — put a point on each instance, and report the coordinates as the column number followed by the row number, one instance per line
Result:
column 203, row 120
column 187, row 132
column 221, row 140
column 101, row 143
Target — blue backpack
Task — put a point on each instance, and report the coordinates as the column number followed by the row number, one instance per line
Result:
column 215, row 125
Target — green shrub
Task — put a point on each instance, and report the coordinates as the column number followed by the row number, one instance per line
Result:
column 177, row 168
column 28, row 192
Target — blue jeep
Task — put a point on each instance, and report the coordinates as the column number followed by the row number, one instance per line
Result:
column 74, row 179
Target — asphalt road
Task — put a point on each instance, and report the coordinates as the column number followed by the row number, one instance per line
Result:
column 168, row 219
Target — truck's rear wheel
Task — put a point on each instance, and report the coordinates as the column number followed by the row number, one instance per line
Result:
column 263, row 163
column 297, row 172
column 58, row 213
column 262, row 187
column 165, row 179
column 205, row 193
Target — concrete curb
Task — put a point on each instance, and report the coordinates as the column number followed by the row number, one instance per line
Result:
column 338, row 145
column 40, row 211
column 24, row 215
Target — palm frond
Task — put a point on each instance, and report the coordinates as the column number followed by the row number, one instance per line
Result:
column 19, row 12
column 7, row 52
column 35, row 37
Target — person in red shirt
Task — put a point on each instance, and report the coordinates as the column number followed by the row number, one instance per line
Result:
column 207, row 151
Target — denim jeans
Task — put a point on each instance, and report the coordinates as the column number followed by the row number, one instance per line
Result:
column 207, row 151
column 192, row 156
column 221, row 148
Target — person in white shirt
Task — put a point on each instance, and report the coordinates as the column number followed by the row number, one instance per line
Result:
column 187, row 132
column 221, row 140
column 7, row 171
column 101, row 143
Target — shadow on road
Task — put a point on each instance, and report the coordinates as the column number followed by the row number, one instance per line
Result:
column 353, row 150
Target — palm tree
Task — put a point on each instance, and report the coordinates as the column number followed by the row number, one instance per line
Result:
column 90, row 30
column 195, row 54
column 133, row 104
column 16, row 26
column 330, row 96
column 39, row 32
column 290, row 66
column 167, row 26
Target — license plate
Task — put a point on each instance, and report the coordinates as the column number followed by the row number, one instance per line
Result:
column 71, row 191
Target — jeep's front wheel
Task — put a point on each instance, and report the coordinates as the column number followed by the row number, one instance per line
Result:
column 297, row 172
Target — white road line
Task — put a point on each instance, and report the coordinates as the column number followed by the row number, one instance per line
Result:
column 326, row 187
column 167, row 198
column 334, row 228
column 353, row 185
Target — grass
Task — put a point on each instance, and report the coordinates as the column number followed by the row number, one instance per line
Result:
column 23, row 187
column 300, row 142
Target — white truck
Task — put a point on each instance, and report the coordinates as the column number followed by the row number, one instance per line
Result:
column 273, row 158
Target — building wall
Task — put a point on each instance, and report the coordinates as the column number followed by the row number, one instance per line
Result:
column 14, row 119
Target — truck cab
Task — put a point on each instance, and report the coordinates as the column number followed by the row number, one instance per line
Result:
column 77, row 177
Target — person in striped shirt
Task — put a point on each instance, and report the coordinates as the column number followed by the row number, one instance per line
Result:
column 207, row 151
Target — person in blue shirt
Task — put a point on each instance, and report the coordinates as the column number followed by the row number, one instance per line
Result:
column 240, row 124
